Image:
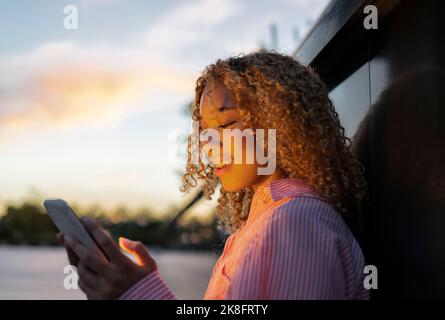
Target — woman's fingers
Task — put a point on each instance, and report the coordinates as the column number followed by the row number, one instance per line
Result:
column 138, row 250
column 72, row 257
column 88, row 277
column 86, row 256
column 90, row 292
column 104, row 240
column 59, row 237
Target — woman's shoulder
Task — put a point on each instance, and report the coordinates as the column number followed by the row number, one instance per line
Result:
column 308, row 215
column 297, row 203
column 313, row 225
column 309, row 207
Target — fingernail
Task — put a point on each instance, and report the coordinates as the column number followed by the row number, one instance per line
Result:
column 123, row 241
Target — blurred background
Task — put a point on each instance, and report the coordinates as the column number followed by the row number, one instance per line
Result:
column 98, row 116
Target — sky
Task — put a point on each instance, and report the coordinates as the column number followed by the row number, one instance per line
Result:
column 91, row 115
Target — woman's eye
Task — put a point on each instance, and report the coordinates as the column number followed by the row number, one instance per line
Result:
column 227, row 124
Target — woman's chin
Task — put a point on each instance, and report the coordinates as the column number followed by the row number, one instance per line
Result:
column 231, row 188
column 233, row 185
column 238, row 177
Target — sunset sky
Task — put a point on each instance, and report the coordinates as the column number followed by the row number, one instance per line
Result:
column 86, row 114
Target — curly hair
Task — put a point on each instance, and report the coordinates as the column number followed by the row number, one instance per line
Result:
column 273, row 90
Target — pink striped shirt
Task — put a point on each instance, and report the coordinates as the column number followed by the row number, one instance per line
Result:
column 294, row 245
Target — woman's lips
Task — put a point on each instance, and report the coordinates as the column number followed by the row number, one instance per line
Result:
column 220, row 171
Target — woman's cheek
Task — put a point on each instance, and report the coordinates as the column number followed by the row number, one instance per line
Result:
column 239, row 176
column 244, row 174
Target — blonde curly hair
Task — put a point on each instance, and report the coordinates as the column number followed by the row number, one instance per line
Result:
column 273, row 90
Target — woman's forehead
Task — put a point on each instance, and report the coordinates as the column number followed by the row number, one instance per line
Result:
column 216, row 95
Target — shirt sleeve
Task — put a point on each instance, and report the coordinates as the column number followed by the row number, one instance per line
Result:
column 298, row 256
column 152, row 287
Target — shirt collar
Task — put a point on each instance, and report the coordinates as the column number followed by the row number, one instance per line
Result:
column 281, row 188
column 288, row 187
column 275, row 191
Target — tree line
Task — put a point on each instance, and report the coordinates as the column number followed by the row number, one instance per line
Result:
column 28, row 224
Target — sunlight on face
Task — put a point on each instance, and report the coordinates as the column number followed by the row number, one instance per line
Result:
column 217, row 109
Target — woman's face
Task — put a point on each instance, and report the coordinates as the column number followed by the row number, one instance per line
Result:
column 217, row 110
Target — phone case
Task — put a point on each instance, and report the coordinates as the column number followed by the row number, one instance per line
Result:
column 67, row 222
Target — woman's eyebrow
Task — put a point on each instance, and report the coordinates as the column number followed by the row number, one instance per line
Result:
column 225, row 107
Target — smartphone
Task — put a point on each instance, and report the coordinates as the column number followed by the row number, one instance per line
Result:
column 68, row 223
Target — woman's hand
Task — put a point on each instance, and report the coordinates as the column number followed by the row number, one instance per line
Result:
column 101, row 279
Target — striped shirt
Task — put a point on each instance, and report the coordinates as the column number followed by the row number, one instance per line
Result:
column 294, row 245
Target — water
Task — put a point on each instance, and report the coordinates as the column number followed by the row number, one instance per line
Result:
column 37, row 272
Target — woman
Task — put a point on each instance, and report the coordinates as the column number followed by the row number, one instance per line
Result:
column 288, row 237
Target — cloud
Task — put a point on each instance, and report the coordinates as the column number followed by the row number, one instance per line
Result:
column 309, row 6
column 64, row 84
column 190, row 23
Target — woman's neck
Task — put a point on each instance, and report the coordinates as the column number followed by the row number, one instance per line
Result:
column 266, row 180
